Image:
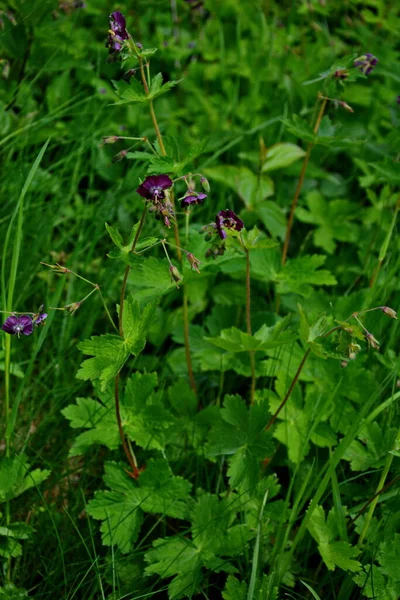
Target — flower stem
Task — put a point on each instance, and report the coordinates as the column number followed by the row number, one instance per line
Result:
column 290, row 390
column 301, row 181
column 176, row 234
column 248, row 325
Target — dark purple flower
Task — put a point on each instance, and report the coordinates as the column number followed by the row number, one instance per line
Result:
column 18, row 325
column 398, row 100
column 226, row 219
column 40, row 318
column 117, row 32
column 193, row 198
column 366, row 63
column 153, row 187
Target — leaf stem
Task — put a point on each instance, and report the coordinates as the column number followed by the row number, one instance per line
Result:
column 128, row 453
column 301, row 181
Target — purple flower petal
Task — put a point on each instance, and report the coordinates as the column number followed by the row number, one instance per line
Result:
column 18, row 325
column 153, row 187
column 227, row 219
column 40, row 318
column 193, row 199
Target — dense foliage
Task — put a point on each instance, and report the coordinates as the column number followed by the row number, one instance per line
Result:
column 199, row 291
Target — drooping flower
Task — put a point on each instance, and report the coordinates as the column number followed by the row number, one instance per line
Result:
column 372, row 341
column 389, row 312
column 226, row 219
column 193, row 198
column 366, row 63
column 39, row 318
column 153, row 187
column 117, row 33
column 194, row 262
column 15, row 325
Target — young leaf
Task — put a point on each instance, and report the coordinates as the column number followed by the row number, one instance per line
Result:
column 16, row 478
column 282, row 155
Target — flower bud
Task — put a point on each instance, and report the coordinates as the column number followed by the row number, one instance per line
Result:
column 204, row 184
column 194, row 262
column 344, row 364
column 72, row 308
column 110, row 139
column 120, row 156
column 175, row 275
column 346, row 106
column 372, row 341
column 341, row 74
column 389, row 312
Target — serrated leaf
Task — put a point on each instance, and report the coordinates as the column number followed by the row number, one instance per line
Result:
column 16, row 477
column 233, row 340
column 300, row 274
column 121, row 509
column 157, row 88
column 98, row 418
column 129, row 92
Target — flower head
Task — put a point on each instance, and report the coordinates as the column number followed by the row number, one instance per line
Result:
column 18, row 325
column 193, row 198
column 226, row 219
column 39, row 318
column 117, row 33
column 153, row 187
column 366, row 63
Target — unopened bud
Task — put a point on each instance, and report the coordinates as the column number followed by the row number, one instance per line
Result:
column 372, row 341
column 389, row 312
column 175, row 275
column 341, row 74
column 194, row 262
column 352, row 356
column 346, row 106
column 344, row 364
column 110, row 139
column 204, row 184
column 120, row 156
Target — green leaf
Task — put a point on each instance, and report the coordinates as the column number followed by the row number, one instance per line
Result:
column 16, row 478
column 300, row 274
column 334, row 553
column 110, row 352
column 241, row 434
column 282, row 155
column 233, row 340
column 234, row 589
column 98, row 418
column 257, row 239
column 157, row 88
column 121, row 509
column 251, row 188
column 153, row 280
column 146, row 420
column 129, row 92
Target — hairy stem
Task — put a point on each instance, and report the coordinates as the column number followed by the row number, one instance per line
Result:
column 290, row 390
column 300, row 182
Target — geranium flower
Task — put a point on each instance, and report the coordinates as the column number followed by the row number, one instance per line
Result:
column 226, row 219
column 153, row 187
column 40, row 318
column 366, row 63
column 117, row 32
column 18, row 325
column 193, row 198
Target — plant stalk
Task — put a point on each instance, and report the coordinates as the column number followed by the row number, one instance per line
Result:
column 301, row 181
column 290, row 390
column 248, row 325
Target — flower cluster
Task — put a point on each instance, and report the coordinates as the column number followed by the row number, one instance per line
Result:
column 155, row 189
column 23, row 324
column 226, row 220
